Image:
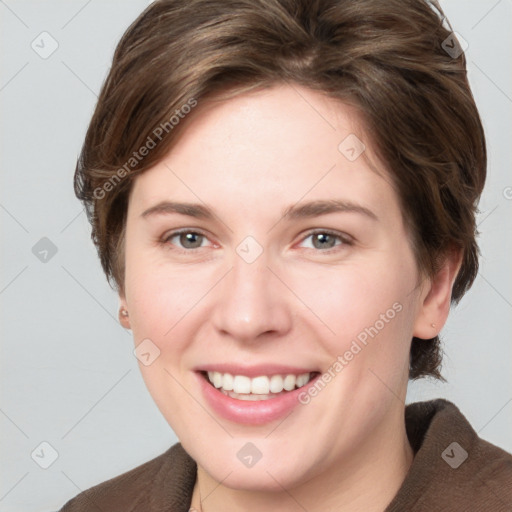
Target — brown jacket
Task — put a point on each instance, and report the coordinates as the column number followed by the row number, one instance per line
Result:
column 453, row 470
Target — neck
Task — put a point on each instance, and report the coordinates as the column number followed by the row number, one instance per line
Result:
column 366, row 481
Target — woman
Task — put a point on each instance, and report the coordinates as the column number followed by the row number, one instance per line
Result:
column 283, row 193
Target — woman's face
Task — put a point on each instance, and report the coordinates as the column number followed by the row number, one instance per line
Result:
column 293, row 259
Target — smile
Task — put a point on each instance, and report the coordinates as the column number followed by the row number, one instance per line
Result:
column 263, row 387
column 256, row 394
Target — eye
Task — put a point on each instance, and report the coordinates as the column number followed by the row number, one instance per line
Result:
column 185, row 239
column 325, row 240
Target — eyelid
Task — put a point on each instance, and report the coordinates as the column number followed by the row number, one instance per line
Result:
column 172, row 233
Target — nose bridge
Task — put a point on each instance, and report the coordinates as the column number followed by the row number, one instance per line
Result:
column 249, row 302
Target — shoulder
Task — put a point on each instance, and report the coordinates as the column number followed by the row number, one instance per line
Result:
column 453, row 468
column 163, row 483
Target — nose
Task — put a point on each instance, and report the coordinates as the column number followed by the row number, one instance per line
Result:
column 251, row 302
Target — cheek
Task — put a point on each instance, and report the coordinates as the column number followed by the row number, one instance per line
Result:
column 167, row 303
column 164, row 307
column 160, row 303
column 369, row 310
column 349, row 300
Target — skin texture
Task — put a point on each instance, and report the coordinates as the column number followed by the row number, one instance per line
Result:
column 248, row 159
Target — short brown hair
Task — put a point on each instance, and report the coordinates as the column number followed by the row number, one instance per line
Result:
column 388, row 59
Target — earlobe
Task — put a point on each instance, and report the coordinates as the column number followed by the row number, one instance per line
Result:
column 436, row 298
column 124, row 316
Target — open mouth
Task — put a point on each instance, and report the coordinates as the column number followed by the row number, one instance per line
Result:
column 263, row 387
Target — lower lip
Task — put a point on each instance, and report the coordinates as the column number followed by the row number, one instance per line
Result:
column 251, row 412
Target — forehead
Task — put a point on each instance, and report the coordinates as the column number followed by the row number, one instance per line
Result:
column 267, row 147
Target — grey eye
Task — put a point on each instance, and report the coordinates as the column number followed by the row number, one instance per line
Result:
column 323, row 240
column 191, row 240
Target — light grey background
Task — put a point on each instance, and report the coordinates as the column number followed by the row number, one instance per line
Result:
column 69, row 377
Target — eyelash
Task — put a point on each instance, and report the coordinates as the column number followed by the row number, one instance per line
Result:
column 344, row 239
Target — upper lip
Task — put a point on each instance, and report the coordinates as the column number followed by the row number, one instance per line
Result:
column 254, row 370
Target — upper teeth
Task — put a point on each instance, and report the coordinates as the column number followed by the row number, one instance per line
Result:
column 262, row 385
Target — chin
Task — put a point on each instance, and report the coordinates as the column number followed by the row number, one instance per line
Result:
column 259, row 480
column 271, row 475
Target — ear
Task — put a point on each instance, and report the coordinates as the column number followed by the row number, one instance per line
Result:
column 436, row 297
column 124, row 319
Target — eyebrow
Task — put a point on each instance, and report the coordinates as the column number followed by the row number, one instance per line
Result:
column 306, row 210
